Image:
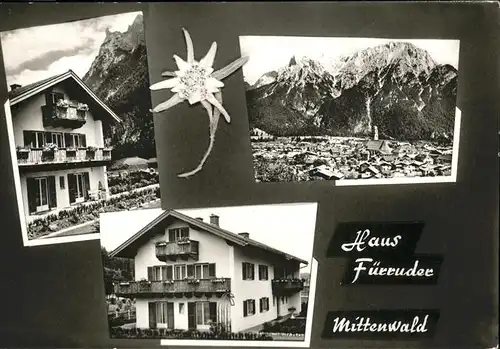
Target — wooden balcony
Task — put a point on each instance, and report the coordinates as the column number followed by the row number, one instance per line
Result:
column 173, row 288
column 166, row 251
column 32, row 157
column 286, row 286
column 66, row 117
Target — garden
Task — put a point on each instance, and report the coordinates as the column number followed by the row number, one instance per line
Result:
column 90, row 212
column 128, row 181
column 161, row 333
column 289, row 326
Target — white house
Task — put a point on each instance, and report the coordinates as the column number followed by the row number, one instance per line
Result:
column 190, row 273
column 58, row 132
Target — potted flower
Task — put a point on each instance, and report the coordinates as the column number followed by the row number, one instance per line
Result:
column 144, row 284
column 62, row 103
column 91, row 152
column 193, row 281
column 48, row 151
column 82, row 107
column 23, row 149
column 183, row 240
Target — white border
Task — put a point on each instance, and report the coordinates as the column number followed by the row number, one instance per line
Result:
column 417, row 180
column 19, row 196
column 255, row 343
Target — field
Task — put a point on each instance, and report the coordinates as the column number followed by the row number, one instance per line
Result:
column 286, row 159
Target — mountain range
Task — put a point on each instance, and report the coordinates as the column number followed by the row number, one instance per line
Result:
column 397, row 87
column 119, row 76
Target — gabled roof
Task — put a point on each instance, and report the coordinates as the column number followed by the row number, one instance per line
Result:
column 24, row 92
column 128, row 248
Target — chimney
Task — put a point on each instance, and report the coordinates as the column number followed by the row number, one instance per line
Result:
column 199, row 218
column 214, row 219
column 14, row 86
column 244, row 235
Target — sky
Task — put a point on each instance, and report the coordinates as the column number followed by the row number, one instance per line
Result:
column 268, row 53
column 36, row 53
column 287, row 227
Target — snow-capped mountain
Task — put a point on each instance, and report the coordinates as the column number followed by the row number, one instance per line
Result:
column 397, row 87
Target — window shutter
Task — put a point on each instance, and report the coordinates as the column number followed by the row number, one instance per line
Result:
column 191, row 315
column 71, row 187
column 213, row 311
column 260, row 304
column 164, row 273
column 32, row 188
column 244, row 270
column 52, row 192
column 68, row 140
column 171, row 235
column 245, row 310
column 150, row 273
column 211, row 270
column 152, row 314
column 252, row 271
column 169, row 272
column 86, row 180
column 83, row 139
column 190, row 270
column 28, row 138
column 185, row 232
column 253, row 303
column 48, row 98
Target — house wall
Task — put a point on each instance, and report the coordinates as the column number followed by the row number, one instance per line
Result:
column 212, row 249
column 29, row 117
column 180, row 319
column 96, row 174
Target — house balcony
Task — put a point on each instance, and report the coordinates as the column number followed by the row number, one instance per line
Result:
column 66, row 117
column 286, row 286
column 173, row 288
column 170, row 251
column 36, row 157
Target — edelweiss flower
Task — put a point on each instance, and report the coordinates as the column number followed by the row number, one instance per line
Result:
column 196, row 81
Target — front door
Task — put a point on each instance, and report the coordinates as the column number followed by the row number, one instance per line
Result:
column 42, row 194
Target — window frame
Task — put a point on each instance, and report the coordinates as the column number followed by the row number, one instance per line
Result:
column 263, row 267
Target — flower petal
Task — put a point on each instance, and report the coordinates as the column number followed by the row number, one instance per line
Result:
column 218, row 105
column 214, row 82
column 208, row 60
column 183, row 65
column 230, row 68
column 178, row 88
column 168, row 73
column 189, row 46
column 165, row 84
column 172, row 101
column 209, row 109
column 195, row 97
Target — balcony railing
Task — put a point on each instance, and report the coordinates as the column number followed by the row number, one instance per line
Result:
column 171, row 288
column 39, row 156
column 67, row 117
column 177, row 249
column 285, row 286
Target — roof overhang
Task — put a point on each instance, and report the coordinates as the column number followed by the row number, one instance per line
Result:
column 60, row 78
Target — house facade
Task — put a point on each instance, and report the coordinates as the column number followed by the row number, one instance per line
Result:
column 191, row 275
column 58, row 125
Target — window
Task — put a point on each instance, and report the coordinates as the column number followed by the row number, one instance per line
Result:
column 161, row 313
column 179, row 272
column 248, row 307
column 157, row 273
column 274, row 301
column 264, row 304
column 202, row 313
column 204, row 271
column 53, row 97
column 58, row 138
column 263, row 272
column 61, row 182
column 248, row 271
column 177, row 233
column 181, row 308
column 34, row 139
column 42, row 194
column 80, row 114
column 79, row 192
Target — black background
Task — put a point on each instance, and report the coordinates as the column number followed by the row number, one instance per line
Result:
column 52, row 296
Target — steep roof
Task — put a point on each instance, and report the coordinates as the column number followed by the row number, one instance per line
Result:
column 128, row 248
column 24, row 92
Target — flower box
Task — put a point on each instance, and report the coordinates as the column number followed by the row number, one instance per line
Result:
column 23, row 149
